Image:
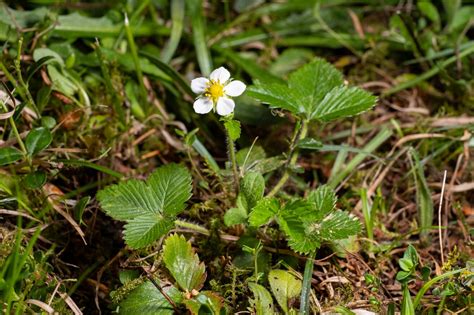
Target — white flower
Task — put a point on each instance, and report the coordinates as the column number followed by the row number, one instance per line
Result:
column 215, row 92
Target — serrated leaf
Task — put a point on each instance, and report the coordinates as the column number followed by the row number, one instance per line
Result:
column 277, row 95
column 148, row 207
column 233, row 128
column 183, row 264
column 336, row 225
column 37, row 140
column 252, row 188
column 313, row 81
column 324, row 200
column 263, row 211
column 262, row 302
column 145, row 229
column 147, row 300
column 343, row 102
column 9, row 155
column 284, row 287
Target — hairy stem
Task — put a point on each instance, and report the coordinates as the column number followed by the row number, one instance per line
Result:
column 233, row 160
column 306, row 290
column 192, row 226
column 301, row 129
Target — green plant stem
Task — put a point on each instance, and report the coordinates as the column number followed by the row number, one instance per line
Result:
column 24, row 87
column 17, row 136
column 301, row 129
column 306, row 290
column 428, row 284
column 192, row 226
column 233, row 161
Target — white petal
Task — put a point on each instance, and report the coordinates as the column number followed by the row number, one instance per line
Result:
column 225, row 106
column 202, row 105
column 220, row 74
column 198, row 85
column 235, row 88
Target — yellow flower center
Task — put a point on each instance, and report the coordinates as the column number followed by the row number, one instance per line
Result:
column 214, row 90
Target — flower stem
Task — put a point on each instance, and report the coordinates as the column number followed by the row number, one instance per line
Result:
column 301, row 129
column 307, row 276
column 11, row 120
column 192, row 226
column 233, row 160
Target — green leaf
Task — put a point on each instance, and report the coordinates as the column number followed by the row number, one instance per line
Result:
column 9, row 155
column 233, row 129
column 148, row 207
column 211, row 303
column 235, row 216
column 313, row 82
column 337, row 225
column 285, row 287
column 342, row 102
column 277, row 95
column 263, row 211
column 310, row 144
column 183, row 264
column 429, row 10
column 35, row 180
column 145, row 229
column 262, row 302
column 252, row 188
column 37, row 140
column 147, row 300
column 407, row 303
column 324, row 200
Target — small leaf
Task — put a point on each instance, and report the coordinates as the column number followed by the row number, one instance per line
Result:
column 147, row 300
column 343, row 102
column 263, row 211
column 310, row 144
column 233, row 128
column 235, row 216
column 262, row 302
column 277, row 95
column 37, row 140
column 252, row 188
column 211, row 303
column 429, row 10
column 35, row 180
column 9, row 155
column 285, row 287
column 183, row 264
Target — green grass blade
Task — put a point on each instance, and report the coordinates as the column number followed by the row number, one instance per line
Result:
column 380, row 138
column 199, row 36
column 177, row 16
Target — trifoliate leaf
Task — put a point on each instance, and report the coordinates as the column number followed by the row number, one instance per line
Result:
column 252, row 188
column 263, row 211
column 262, row 303
column 343, row 102
column 148, row 207
column 147, row 300
column 183, row 264
column 233, row 128
column 285, row 287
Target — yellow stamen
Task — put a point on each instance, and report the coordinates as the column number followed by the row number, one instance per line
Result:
column 214, row 90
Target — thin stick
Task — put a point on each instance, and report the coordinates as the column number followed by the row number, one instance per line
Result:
column 173, row 304
column 439, row 218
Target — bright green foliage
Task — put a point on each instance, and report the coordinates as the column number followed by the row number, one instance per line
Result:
column 262, row 302
column 9, row 155
column 150, row 207
column 37, row 140
column 285, row 287
column 315, row 91
column 408, row 264
column 183, row 264
column 147, row 300
column 308, row 222
column 233, row 128
column 265, row 209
